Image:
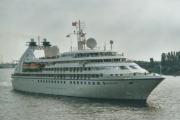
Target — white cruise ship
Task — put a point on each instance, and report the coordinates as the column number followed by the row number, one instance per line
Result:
column 89, row 73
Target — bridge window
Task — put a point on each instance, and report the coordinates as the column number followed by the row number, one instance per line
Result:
column 133, row 67
column 123, row 67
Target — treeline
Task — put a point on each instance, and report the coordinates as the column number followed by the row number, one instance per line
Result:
column 151, row 66
column 169, row 64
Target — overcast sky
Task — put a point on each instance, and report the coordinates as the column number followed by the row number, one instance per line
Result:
column 141, row 29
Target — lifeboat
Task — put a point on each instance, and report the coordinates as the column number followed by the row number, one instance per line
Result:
column 26, row 65
column 34, row 65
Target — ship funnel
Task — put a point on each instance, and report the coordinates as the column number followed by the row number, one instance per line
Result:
column 32, row 40
column 47, row 47
column 44, row 40
column 32, row 43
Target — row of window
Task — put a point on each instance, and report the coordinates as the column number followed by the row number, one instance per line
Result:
column 91, row 54
column 76, row 76
column 51, row 81
column 80, row 69
column 114, row 60
column 109, row 60
column 64, row 82
column 71, row 82
column 63, row 76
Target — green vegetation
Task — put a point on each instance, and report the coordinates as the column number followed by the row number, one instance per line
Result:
column 152, row 66
column 170, row 64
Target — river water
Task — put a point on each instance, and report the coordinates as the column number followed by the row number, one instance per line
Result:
column 162, row 104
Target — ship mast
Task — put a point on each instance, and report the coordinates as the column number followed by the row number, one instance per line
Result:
column 1, row 59
column 81, row 41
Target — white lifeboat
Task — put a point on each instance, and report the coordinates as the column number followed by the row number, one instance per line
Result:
column 34, row 65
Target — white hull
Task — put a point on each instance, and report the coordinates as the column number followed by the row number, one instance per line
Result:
column 116, row 89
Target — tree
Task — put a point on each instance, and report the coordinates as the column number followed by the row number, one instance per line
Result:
column 163, row 59
column 152, row 62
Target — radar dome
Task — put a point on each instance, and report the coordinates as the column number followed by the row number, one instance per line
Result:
column 91, row 43
column 54, row 50
column 111, row 42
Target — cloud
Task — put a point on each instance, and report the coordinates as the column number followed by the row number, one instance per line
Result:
column 140, row 29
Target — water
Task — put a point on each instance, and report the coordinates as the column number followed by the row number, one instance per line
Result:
column 162, row 104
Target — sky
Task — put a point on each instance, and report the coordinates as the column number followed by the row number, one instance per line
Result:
column 141, row 29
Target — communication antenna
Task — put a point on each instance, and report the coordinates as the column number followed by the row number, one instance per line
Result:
column 104, row 46
column 111, row 42
column 71, row 45
column 38, row 41
column 2, row 58
column 160, row 69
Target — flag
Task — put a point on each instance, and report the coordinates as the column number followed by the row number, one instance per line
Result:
column 68, row 36
column 73, row 23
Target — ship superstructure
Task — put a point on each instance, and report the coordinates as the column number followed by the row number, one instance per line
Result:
column 87, row 73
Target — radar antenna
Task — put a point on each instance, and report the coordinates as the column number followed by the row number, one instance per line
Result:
column 111, row 42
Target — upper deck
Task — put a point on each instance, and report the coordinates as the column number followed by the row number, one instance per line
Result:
column 82, row 55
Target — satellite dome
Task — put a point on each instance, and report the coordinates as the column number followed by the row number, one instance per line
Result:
column 54, row 50
column 91, row 43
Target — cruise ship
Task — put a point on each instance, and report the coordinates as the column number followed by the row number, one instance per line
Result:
column 87, row 72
